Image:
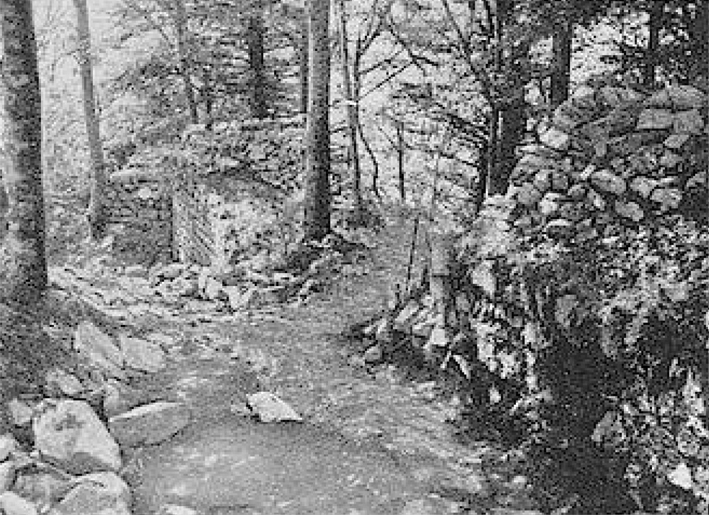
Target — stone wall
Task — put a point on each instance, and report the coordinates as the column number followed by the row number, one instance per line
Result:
column 140, row 215
column 612, row 155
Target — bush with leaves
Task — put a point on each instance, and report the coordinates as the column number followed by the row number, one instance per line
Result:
column 602, row 347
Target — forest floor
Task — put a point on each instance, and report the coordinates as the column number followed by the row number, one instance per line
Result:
column 372, row 442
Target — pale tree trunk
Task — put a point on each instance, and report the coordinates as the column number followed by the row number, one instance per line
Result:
column 352, row 107
column 316, row 215
column 24, row 267
column 653, row 45
column 561, row 74
column 97, row 215
column 184, row 56
column 257, row 65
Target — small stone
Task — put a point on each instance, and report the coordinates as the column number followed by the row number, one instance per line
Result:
column 212, row 289
column 559, row 228
column 555, row 139
column 607, row 181
column 96, row 494
column 670, row 160
column 59, row 381
column 630, row 210
column 43, row 488
column 7, row 475
column 8, row 445
column 687, row 97
column 643, row 186
column 578, row 191
column 404, row 320
column 149, row 424
column 596, row 200
column 528, row 195
column 542, row 180
column 142, row 355
column 270, row 408
column 419, row 507
column 688, row 122
column 176, row 509
column 373, row 355
column 98, row 348
column 655, row 119
column 13, row 504
column 698, row 180
column 613, row 96
column 669, row 198
column 676, row 141
column 70, row 435
column 21, row 412
column 171, row 271
column 550, row 204
column 559, row 181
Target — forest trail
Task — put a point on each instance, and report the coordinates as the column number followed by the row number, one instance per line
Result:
column 371, row 443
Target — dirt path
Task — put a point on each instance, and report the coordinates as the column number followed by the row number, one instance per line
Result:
column 370, row 444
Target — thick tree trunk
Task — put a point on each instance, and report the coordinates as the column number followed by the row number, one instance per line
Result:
column 561, row 75
column 257, row 66
column 316, row 219
column 653, row 44
column 352, row 106
column 185, row 58
column 96, row 214
column 24, row 268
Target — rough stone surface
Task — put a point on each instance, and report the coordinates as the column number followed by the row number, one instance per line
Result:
column 43, row 488
column 70, row 435
column 8, row 444
column 13, row 504
column 96, row 494
column 64, row 383
column 7, row 475
column 149, row 424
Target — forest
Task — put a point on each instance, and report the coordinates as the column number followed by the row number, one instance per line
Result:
column 397, row 257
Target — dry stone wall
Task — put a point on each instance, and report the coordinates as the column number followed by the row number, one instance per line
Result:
column 612, row 155
column 140, row 215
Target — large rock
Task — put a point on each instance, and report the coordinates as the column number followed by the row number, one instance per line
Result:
column 119, row 398
column 629, row 210
column 42, row 487
column 655, row 119
column 98, row 348
column 687, row 97
column 555, row 139
column 61, row 382
column 643, row 186
column 70, row 435
column 96, row 494
column 142, row 355
column 13, row 504
column 149, row 424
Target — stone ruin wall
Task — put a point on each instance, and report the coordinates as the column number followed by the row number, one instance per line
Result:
column 611, row 155
column 140, row 216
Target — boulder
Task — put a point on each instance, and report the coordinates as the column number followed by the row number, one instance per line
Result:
column 142, row 355
column 686, row 97
column 149, row 424
column 13, row 504
column 98, row 348
column 21, row 412
column 669, row 198
column 528, row 195
column 688, row 122
column 119, row 398
column 171, row 271
column 550, row 204
column 643, row 186
column 42, row 487
column 268, row 407
column 71, row 436
column 560, row 228
column 96, row 494
column 212, row 289
column 373, row 355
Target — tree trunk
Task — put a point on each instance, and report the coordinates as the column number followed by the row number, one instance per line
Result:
column 352, row 106
column 97, row 215
column 257, row 65
column 184, row 49
column 561, row 75
column 653, row 44
column 24, row 268
column 316, row 219
column 303, row 67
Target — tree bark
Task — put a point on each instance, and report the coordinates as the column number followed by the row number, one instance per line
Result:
column 24, row 268
column 303, row 66
column 184, row 49
column 257, row 65
column 352, row 106
column 653, row 44
column 316, row 219
column 96, row 214
column 561, row 75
